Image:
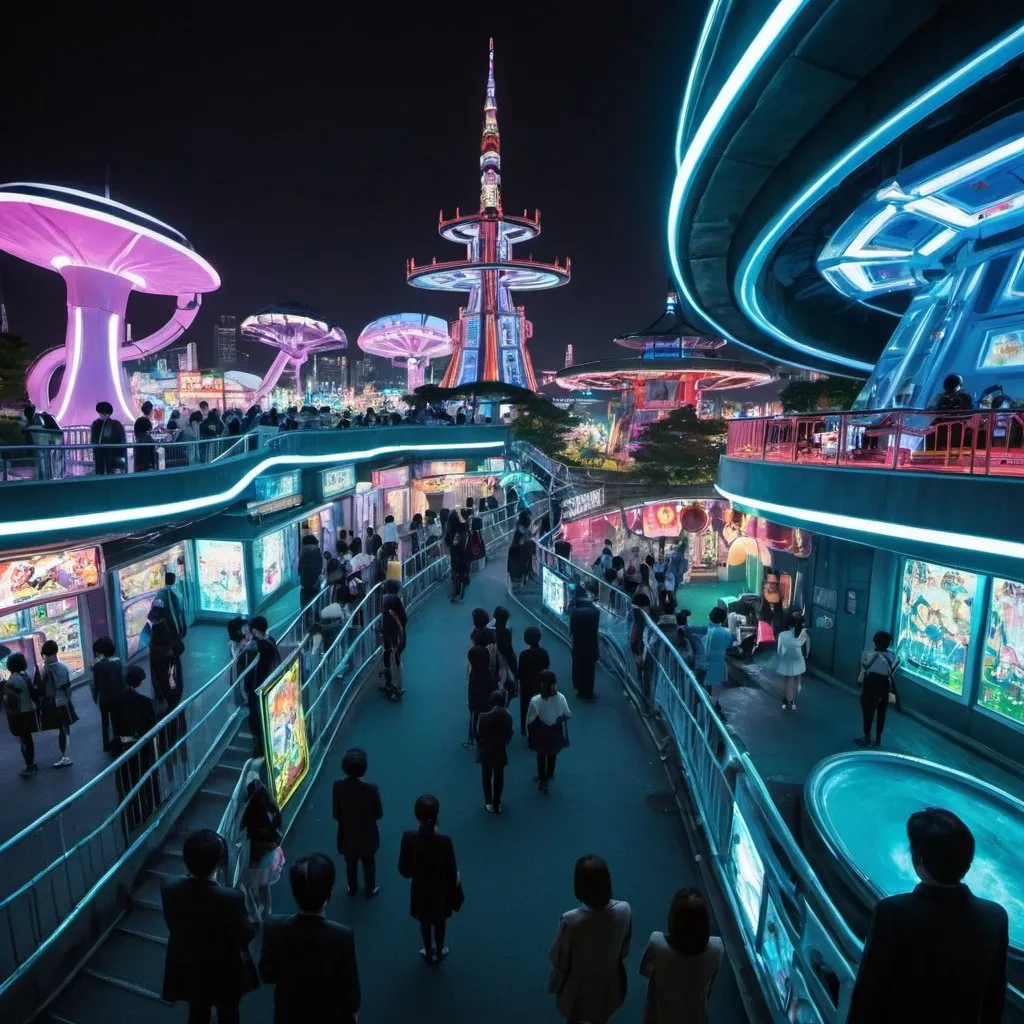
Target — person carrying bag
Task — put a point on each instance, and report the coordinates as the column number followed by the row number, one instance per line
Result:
column 878, row 686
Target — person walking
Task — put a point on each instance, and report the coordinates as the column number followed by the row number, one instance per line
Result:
column 305, row 953
column 427, row 859
column 588, row 973
column 532, row 661
column 260, row 650
column 132, row 715
column 794, row 646
column 107, row 436
column 459, row 560
column 20, row 708
column 546, row 727
column 711, row 662
column 504, row 665
column 165, row 650
column 479, row 687
column 356, row 807
column 311, row 566
column 207, row 963
column 681, row 963
column 107, row 682
column 261, row 822
column 393, row 625
column 493, row 734
column 937, row 953
column 877, row 679
column 584, row 628
column 168, row 593
column 56, row 710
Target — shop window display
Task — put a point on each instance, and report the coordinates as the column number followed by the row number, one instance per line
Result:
column 270, row 561
column 936, row 608
column 221, row 577
column 1002, row 671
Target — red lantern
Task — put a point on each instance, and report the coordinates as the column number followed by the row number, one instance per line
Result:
column 694, row 519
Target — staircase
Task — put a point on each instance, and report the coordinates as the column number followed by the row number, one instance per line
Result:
column 122, row 979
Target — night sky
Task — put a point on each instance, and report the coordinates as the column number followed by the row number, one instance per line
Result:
column 306, row 154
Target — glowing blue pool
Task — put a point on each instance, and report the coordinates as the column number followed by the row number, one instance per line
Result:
column 859, row 804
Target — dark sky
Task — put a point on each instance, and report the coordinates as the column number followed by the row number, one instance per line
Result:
column 307, row 154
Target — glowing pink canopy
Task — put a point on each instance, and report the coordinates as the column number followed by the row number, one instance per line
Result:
column 409, row 340
column 104, row 250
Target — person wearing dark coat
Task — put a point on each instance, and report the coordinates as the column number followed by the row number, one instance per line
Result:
column 107, row 682
column 937, row 953
column 357, row 809
column 104, row 433
column 132, row 715
column 165, row 650
column 305, row 954
column 482, row 634
column 144, row 448
column 493, row 735
column 427, row 858
column 505, row 652
column 532, row 662
column 21, row 709
column 207, row 962
column 479, row 687
column 584, row 627
column 458, row 556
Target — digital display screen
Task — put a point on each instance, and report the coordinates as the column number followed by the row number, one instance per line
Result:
column 222, row 577
column 268, row 552
column 282, row 485
column 554, row 591
column 397, row 477
column 136, row 614
column 936, row 609
column 660, row 394
column 30, row 579
column 449, row 468
column 581, row 504
column 284, row 733
column 748, row 869
column 1004, row 348
column 337, row 480
column 1002, row 670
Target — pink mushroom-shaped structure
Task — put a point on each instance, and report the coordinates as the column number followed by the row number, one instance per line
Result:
column 104, row 250
column 297, row 333
column 409, row 340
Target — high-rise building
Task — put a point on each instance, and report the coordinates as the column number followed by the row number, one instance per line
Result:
column 225, row 340
column 568, row 354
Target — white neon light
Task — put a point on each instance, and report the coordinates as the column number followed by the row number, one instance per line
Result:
column 114, row 356
column 976, row 166
column 691, row 78
column 941, row 211
column 938, row 241
column 881, row 528
column 856, row 274
column 136, row 279
column 1002, row 50
column 108, row 218
column 868, row 232
column 68, row 386
column 59, row 262
column 111, row 517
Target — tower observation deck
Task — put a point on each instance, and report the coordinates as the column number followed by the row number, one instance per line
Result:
column 489, row 338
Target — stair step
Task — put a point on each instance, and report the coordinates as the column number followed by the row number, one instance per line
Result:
column 204, row 811
column 235, row 757
column 147, row 893
column 146, row 922
column 89, row 1000
column 168, row 864
column 130, row 961
column 173, row 845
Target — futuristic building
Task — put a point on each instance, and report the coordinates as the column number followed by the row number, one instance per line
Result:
column 490, row 336
column 407, row 339
column 296, row 332
column 103, row 250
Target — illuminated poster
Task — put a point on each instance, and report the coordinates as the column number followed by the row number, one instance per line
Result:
column 1004, row 348
column 337, row 480
column 67, row 633
column 448, row 468
column 660, row 394
column 748, row 869
column 553, row 591
column 511, row 373
column 10, row 625
column 268, row 552
column 136, row 613
column 284, row 733
column 661, row 519
column 29, row 579
column 222, row 577
column 283, row 485
column 1002, row 671
column 147, row 576
column 777, row 951
column 936, row 605
column 397, row 477
column 469, row 364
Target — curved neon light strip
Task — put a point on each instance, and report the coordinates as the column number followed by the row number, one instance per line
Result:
column 691, row 79
column 76, row 359
column 111, row 517
column 114, row 355
column 925, row 103
column 881, row 528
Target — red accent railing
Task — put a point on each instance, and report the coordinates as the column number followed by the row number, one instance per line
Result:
column 983, row 443
column 557, row 266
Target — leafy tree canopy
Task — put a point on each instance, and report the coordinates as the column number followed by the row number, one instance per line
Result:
column 680, row 449
column 811, row 395
column 14, row 360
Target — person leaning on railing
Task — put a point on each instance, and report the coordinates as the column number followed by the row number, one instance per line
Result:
column 107, row 436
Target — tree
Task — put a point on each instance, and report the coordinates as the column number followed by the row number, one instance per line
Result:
column 811, row 395
column 14, row 360
column 680, row 449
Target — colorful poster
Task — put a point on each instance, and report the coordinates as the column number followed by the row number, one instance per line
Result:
column 397, row 477
column 748, row 869
column 1002, row 670
column 553, row 591
column 449, row 468
column 1004, row 348
column 936, row 609
column 777, row 951
column 29, row 579
column 136, row 613
column 337, row 480
column 284, row 733
column 661, row 519
column 268, row 552
column 147, row 576
column 282, row 485
column 67, row 634
column 222, row 577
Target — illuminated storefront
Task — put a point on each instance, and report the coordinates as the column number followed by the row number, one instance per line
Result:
column 135, row 585
column 221, row 577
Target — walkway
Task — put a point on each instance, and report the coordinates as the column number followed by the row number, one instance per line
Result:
column 516, row 868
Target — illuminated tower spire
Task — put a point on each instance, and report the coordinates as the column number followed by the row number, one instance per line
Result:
column 490, row 147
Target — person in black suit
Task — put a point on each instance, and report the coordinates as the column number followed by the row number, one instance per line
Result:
column 937, row 953
column 132, row 715
column 584, row 626
column 428, row 859
column 532, row 662
column 310, row 960
column 209, row 932
column 493, row 735
column 357, row 809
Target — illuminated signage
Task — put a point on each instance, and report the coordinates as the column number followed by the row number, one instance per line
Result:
column 284, row 734
column 554, row 591
column 496, row 465
column 580, row 504
column 451, row 468
column 337, row 480
column 397, row 477
column 222, row 577
column 31, row 579
column 281, row 485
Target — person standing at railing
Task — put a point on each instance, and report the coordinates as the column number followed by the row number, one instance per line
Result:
column 190, row 433
column 261, row 651
column 176, row 450
column 106, row 683
column 310, row 572
column 43, row 432
column 165, row 650
column 584, row 629
column 209, row 431
column 20, row 708
column 107, row 436
column 713, row 669
column 144, row 448
column 132, row 715
column 532, row 661
column 261, row 823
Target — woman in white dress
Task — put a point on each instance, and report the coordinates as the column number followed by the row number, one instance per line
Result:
column 793, row 647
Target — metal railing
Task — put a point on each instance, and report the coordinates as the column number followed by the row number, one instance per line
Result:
column 982, row 443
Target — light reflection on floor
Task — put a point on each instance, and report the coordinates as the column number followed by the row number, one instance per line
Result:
column 865, row 800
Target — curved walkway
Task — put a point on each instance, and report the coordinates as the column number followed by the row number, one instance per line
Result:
column 516, row 868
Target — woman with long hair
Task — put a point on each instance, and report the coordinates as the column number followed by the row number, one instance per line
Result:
column 546, row 729
column 261, row 821
column 794, row 646
column 459, row 559
column 427, row 859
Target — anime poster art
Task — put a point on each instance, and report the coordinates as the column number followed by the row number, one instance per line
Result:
column 1002, row 671
column 936, row 608
column 284, row 728
column 28, row 579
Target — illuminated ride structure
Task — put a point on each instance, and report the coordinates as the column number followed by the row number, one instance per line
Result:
column 407, row 339
column 676, row 367
column 104, row 251
column 490, row 336
column 297, row 333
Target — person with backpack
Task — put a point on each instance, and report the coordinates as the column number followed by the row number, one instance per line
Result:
column 394, row 622
column 55, row 706
column 877, row 679
column 260, row 651
column 261, row 822
column 504, row 666
column 20, row 707
column 532, row 661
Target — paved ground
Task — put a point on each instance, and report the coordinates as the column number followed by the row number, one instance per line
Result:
column 516, row 868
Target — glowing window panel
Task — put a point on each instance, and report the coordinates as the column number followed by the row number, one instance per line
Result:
column 222, row 577
column 936, row 611
column 1003, row 348
column 748, row 869
column 1002, row 670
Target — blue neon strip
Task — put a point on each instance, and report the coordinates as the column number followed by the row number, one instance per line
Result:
column 925, row 103
column 691, row 79
column 112, row 517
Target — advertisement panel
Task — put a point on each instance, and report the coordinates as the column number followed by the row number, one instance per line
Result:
column 29, row 579
column 284, row 733
column 337, row 480
column 269, row 555
column 554, row 591
column 222, row 577
column 397, row 477
column 581, row 504
column 661, row 519
column 1002, row 670
column 147, row 576
column 450, row 468
column 748, row 869
column 281, row 485
column 660, row 394
column 136, row 614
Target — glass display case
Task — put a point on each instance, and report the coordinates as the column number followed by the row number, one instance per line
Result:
column 221, row 577
column 140, row 582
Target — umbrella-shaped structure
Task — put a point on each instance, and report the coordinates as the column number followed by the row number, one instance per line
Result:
column 407, row 339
